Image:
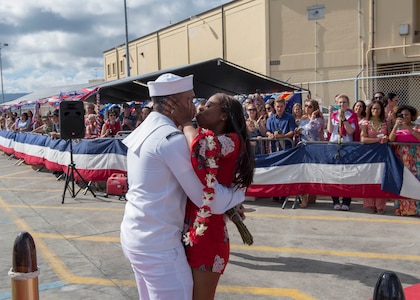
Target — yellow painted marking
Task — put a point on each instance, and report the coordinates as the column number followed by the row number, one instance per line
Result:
column 328, row 252
column 28, row 178
column 79, row 238
column 398, row 220
column 63, row 207
column 29, row 190
column 66, row 275
column 100, row 281
column 16, row 173
column 291, row 293
column 308, row 251
column 55, row 263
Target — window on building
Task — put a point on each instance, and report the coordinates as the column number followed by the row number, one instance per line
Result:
column 113, row 69
column 108, row 70
column 416, row 21
column 122, row 67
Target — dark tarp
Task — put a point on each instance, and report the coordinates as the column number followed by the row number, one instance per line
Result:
column 210, row 77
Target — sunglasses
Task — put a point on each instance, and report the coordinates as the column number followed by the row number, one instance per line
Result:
column 252, row 109
column 379, row 98
column 309, row 106
column 112, row 115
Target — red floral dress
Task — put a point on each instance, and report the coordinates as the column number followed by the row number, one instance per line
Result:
column 410, row 157
column 211, row 253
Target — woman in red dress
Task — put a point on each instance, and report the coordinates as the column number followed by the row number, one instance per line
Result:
column 111, row 126
column 233, row 162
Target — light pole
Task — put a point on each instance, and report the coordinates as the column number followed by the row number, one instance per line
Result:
column 1, row 72
column 127, row 55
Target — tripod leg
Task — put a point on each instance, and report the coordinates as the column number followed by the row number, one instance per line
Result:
column 72, row 182
column 85, row 184
column 67, row 177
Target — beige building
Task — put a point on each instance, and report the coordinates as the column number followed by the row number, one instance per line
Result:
column 354, row 47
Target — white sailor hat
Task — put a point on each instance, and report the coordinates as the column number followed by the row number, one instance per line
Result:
column 170, row 84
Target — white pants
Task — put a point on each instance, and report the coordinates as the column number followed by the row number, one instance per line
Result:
column 162, row 275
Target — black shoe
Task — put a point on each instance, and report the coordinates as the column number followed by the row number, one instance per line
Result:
column 276, row 199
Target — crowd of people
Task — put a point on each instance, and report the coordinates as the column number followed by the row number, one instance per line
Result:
column 270, row 127
column 96, row 124
column 378, row 120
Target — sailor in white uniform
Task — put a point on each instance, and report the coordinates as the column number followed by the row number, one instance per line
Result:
column 160, row 178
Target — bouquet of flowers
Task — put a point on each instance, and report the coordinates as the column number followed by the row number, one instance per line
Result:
column 237, row 218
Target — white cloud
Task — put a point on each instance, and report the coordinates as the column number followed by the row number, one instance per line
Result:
column 59, row 42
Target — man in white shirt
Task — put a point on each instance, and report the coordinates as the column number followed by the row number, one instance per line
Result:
column 160, row 178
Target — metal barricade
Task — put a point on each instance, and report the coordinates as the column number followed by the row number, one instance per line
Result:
column 264, row 145
column 122, row 134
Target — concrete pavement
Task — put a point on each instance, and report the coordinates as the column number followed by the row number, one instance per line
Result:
column 313, row 253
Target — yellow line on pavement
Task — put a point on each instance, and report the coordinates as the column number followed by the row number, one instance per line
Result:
column 308, row 251
column 290, row 293
column 57, row 265
column 328, row 252
column 108, row 239
column 399, row 220
column 396, row 220
column 65, row 275
column 29, row 190
column 28, row 178
column 64, row 207
column 16, row 173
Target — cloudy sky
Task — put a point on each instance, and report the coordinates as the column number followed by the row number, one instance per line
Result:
column 60, row 42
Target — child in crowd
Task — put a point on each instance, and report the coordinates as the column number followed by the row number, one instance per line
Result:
column 255, row 133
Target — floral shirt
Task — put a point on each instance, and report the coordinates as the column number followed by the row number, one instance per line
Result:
column 311, row 130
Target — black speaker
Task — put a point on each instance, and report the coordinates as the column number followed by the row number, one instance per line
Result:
column 72, row 120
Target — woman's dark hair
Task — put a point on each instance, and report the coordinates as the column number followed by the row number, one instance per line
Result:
column 369, row 110
column 112, row 112
column 270, row 102
column 236, row 123
column 411, row 109
column 389, row 96
column 315, row 106
column 363, row 105
column 380, row 93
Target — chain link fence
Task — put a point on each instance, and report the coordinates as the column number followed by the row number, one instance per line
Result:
column 406, row 84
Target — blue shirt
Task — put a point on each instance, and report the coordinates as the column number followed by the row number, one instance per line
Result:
column 284, row 124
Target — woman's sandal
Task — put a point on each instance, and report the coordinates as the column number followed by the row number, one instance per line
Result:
column 372, row 210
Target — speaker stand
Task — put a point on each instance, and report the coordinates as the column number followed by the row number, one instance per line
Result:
column 69, row 178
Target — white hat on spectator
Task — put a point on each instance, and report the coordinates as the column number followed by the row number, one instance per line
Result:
column 170, row 84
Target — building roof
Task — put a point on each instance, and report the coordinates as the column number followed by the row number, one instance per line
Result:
column 210, row 77
column 49, row 92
